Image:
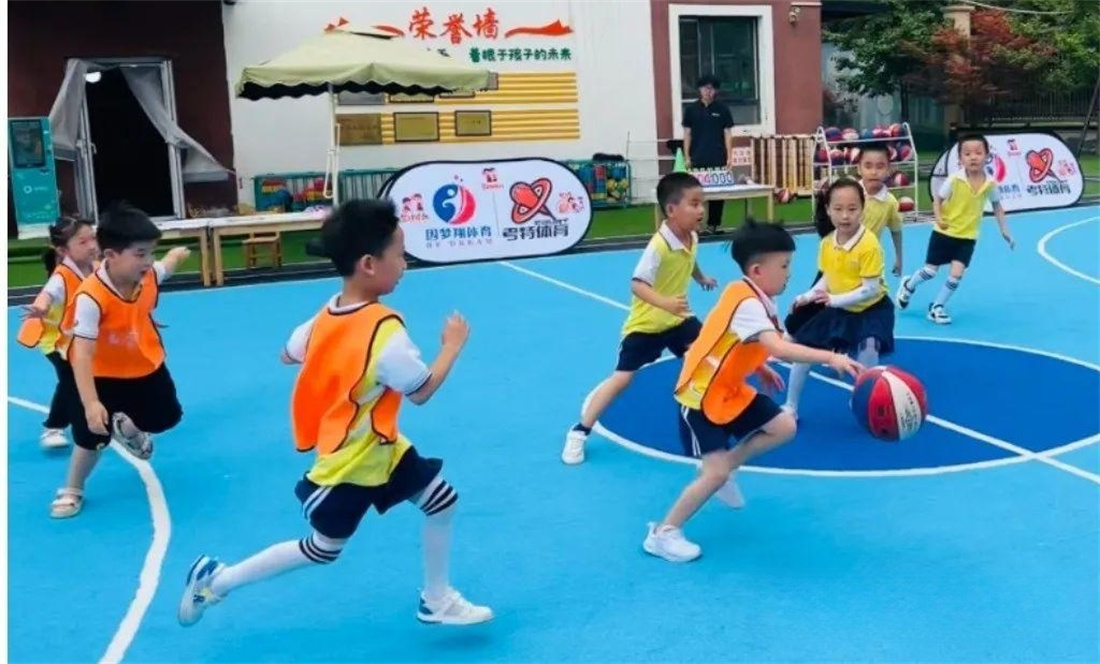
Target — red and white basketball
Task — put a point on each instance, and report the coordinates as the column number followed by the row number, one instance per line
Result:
column 784, row 196
column 905, row 204
column 889, row 403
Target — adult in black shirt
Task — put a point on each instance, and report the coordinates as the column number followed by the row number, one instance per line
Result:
column 708, row 141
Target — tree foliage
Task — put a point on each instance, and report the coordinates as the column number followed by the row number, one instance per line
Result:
column 890, row 51
column 996, row 63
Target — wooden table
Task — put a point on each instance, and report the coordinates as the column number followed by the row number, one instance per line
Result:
column 190, row 228
column 729, row 193
column 223, row 227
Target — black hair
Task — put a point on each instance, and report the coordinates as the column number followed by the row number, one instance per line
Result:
column 966, row 138
column 708, row 79
column 671, row 188
column 358, row 228
column 822, row 224
column 875, row 147
column 122, row 225
column 61, row 231
column 753, row 239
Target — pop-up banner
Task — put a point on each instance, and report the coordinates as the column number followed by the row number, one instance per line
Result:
column 1033, row 171
column 455, row 211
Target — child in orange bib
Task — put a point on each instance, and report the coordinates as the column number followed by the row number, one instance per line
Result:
column 358, row 362
column 69, row 260
column 123, row 385
column 724, row 421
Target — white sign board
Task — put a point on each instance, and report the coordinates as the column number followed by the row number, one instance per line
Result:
column 455, row 211
column 1032, row 171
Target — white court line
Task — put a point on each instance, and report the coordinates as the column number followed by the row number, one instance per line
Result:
column 1022, row 453
column 1041, row 247
column 154, row 557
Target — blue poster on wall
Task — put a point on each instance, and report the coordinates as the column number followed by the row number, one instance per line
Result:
column 33, row 174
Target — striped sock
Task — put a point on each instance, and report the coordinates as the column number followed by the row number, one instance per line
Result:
column 275, row 560
column 919, row 277
column 949, row 288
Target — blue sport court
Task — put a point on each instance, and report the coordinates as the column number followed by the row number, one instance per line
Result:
column 975, row 541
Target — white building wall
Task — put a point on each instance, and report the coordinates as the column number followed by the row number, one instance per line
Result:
column 611, row 48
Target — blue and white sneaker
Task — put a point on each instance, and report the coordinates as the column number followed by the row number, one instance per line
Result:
column 197, row 594
column 452, row 609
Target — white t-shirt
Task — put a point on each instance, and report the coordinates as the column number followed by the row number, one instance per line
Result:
column 754, row 316
column 398, row 367
column 86, row 323
column 55, row 285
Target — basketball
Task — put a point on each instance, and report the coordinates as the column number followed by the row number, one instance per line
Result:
column 905, row 204
column 889, row 403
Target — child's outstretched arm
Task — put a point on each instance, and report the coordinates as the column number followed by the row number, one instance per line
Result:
column 708, row 283
column 1002, row 223
column 455, row 332
column 168, row 265
column 782, row 349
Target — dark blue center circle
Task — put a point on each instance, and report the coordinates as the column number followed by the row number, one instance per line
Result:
column 1031, row 400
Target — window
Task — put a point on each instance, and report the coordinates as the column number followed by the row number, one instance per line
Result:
column 727, row 48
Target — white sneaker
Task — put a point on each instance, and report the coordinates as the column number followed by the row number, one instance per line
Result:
column 938, row 315
column 730, row 494
column 53, row 439
column 573, row 453
column 197, row 593
column 140, row 444
column 452, row 609
column 903, row 294
column 669, row 543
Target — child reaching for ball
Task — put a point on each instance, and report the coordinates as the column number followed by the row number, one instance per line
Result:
column 723, row 420
column 660, row 317
column 857, row 316
column 958, row 207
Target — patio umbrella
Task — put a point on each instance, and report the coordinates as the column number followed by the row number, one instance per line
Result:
column 349, row 59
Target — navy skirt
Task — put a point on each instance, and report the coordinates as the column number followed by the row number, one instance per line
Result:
column 844, row 331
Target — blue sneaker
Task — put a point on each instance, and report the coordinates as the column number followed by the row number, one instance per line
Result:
column 197, row 595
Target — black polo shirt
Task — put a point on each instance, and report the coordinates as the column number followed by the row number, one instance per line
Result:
column 708, row 126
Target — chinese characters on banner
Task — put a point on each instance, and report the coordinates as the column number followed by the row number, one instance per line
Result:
column 459, row 30
column 1031, row 171
column 455, row 211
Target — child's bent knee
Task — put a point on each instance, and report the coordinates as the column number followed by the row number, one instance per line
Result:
column 783, row 427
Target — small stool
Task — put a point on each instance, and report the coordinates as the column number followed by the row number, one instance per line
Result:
column 254, row 243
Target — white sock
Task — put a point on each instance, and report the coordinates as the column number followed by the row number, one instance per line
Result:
column 868, row 353
column 795, row 382
column 949, row 288
column 276, row 560
column 919, row 277
column 437, row 553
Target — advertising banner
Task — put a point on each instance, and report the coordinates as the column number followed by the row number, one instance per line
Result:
column 1033, row 171
column 456, row 211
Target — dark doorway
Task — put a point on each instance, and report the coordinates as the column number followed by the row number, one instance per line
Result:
column 131, row 157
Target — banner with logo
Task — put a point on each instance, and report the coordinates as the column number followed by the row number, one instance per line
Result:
column 455, row 211
column 1033, row 171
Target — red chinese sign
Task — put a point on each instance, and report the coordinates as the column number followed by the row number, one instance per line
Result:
column 422, row 25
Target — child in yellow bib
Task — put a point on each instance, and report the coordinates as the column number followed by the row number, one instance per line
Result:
column 659, row 317
column 69, row 260
column 958, row 206
column 723, row 420
column 358, row 364
column 857, row 316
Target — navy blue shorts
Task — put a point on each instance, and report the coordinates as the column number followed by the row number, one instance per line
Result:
column 335, row 511
column 943, row 249
column 640, row 348
column 700, row 436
